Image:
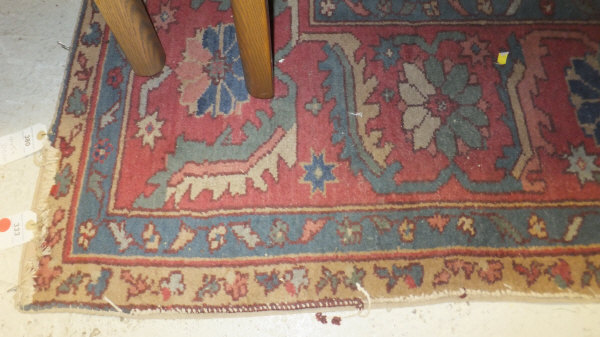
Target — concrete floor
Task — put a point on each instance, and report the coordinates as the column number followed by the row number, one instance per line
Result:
column 31, row 72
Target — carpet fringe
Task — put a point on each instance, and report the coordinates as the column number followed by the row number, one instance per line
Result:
column 466, row 295
column 307, row 306
column 47, row 159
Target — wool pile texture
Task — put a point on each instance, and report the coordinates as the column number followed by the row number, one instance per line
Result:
column 398, row 163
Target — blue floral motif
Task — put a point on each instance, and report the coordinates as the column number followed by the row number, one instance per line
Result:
column 318, row 172
column 224, row 70
column 77, row 102
column 62, row 182
column 584, row 83
column 387, row 52
column 97, row 288
column 93, row 36
column 270, row 281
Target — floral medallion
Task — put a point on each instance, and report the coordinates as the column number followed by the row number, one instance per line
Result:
column 211, row 73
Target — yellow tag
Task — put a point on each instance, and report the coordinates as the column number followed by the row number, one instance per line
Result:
column 502, row 57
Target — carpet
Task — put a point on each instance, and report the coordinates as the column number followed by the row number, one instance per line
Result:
column 399, row 163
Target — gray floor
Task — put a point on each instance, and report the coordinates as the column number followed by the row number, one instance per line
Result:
column 31, row 72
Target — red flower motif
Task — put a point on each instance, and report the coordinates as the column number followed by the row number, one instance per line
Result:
column 239, row 288
column 115, row 77
column 165, row 17
column 46, row 274
column 547, row 7
column 560, row 272
column 531, row 274
column 66, row 149
column 438, row 222
column 410, row 282
column 102, row 150
column 290, row 288
column 54, row 234
column 456, row 265
column 493, row 272
column 166, row 293
column 441, row 278
column 137, row 285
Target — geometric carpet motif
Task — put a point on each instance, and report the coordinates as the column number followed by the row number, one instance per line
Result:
column 397, row 159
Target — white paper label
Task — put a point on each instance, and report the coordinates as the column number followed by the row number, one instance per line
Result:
column 21, row 144
column 14, row 231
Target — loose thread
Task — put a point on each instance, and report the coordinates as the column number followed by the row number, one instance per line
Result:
column 64, row 46
column 112, row 304
column 369, row 302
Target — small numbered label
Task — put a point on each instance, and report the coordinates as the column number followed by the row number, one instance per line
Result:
column 14, row 231
column 21, row 144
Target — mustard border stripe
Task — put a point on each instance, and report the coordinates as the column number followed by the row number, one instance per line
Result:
column 352, row 208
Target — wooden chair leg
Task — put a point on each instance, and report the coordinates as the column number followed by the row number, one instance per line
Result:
column 252, row 24
column 131, row 25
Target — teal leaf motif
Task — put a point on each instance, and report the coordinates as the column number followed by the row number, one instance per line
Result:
column 383, row 273
column 329, row 278
column 77, row 102
column 408, row 8
column 434, row 71
column 381, row 223
column 279, row 233
column 444, row 140
column 224, row 6
column 470, row 95
column 473, row 115
column 195, row 4
column 269, row 281
column 62, row 182
column 95, row 184
column 466, row 131
column 456, row 80
column 591, row 272
column 349, row 232
column 71, row 284
column 279, row 7
column 357, row 277
column 412, row 275
column 296, row 279
column 97, row 288
column 560, row 272
column 507, row 229
column 210, row 287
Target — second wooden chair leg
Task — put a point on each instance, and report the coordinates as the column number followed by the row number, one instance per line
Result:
column 130, row 24
column 252, row 24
